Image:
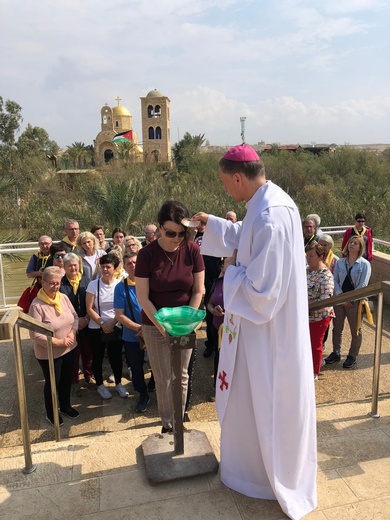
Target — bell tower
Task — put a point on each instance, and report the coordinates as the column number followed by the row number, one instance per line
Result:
column 156, row 127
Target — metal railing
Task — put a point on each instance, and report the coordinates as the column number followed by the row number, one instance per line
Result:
column 15, row 248
column 10, row 330
column 375, row 289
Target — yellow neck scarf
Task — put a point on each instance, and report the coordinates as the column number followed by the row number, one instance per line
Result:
column 43, row 257
column 130, row 282
column 367, row 310
column 329, row 258
column 360, row 233
column 75, row 283
column 67, row 241
column 55, row 302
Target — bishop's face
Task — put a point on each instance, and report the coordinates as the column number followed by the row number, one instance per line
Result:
column 232, row 184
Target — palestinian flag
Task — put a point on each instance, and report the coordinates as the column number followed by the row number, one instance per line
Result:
column 123, row 137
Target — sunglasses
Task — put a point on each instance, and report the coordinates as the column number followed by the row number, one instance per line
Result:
column 360, row 221
column 172, row 234
column 58, row 255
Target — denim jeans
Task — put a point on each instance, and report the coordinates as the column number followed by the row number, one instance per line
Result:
column 135, row 360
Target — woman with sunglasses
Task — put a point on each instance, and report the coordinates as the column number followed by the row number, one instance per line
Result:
column 55, row 309
column 58, row 251
column 361, row 230
column 169, row 273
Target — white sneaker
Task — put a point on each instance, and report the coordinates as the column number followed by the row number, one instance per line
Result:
column 121, row 390
column 104, row 392
column 111, row 378
column 130, row 374
column 315, row 377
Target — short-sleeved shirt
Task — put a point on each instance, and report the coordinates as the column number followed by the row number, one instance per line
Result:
column 171, row 274
column 106, row 301
column 120, row 302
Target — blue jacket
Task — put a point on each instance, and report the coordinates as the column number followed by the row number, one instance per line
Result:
column 360, row 274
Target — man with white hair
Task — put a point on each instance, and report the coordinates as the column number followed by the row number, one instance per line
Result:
column 231, row 215
column 41, row 259
column 150, row 234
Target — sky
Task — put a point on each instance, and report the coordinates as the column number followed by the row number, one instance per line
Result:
column 299, row 71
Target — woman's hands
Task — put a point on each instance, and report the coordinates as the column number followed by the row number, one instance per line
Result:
column 108, row 326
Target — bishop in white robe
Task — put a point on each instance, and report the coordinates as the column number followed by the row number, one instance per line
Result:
column 265, row 388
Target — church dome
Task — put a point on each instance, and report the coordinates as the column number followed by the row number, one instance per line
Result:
column 120, row 111
column 154, row 93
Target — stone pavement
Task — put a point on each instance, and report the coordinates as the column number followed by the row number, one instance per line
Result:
column 97, row 470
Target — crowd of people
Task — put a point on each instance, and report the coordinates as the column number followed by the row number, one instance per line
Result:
column 101, row 298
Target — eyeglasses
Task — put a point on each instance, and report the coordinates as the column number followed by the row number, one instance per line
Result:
column 361, row 221
column 58, row 255
column 172, row 234
column 53, row 284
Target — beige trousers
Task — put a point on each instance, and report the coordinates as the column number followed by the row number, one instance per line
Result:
column 160, row 363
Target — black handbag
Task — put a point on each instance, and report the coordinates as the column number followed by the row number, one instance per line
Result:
column 110, row 337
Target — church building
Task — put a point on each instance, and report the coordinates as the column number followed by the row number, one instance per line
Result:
column 117, row 128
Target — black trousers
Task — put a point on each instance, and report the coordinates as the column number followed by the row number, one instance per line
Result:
column 114, row 351
column 135, row 360
column 63, row 367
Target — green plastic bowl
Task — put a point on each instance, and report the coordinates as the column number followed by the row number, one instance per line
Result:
column 179, row 321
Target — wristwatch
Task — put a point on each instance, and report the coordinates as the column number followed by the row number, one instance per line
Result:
column 101, row 322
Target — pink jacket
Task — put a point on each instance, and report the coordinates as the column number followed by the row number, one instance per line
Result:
column 62, row 325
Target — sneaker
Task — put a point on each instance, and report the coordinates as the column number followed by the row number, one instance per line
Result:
column 349, row 362
column 166, row 430
column 130, row 374
column 332, row 358
column 51, row 420
column 70, row 412
column 121, row 390
column 111, row 378
column 104, row 392
column 142, row 404
column 323, row 362
column 315, row 377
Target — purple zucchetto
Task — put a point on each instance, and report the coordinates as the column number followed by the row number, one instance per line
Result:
column 241, row 153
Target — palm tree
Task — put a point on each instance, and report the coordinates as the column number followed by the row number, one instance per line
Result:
column 126, row 150
column 119, row 202
column 77, row 152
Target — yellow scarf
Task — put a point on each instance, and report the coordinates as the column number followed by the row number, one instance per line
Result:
column 75, row 283
column 360, row 233
column 363, row 303
column 55, row 302
column 329, row 258
column 130, row 282
column 67, row 241
column 43, row 257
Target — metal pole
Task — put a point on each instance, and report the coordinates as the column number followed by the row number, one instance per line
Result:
column 177, row 400
column 377, row 357
column 29, row 467
column 53, row 387
column 2, row 280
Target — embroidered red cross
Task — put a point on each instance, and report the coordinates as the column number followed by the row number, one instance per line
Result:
column 224, row 383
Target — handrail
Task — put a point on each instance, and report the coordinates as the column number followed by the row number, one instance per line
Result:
column 10, row 325
column 371, row 290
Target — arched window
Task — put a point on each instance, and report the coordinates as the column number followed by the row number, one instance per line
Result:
column 155, row 155
column 104, row 120
column 158, row 133
column 151, row 132
column 116, row 124
column 150, row 111
column 157, row 111
column 108, row 156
